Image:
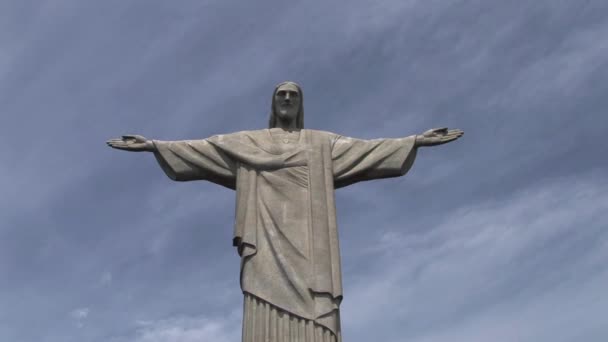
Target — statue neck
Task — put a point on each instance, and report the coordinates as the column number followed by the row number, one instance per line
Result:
column 287, row 125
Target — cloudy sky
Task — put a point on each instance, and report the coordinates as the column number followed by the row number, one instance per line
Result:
column 500, row 236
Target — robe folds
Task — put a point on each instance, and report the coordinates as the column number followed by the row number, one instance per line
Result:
column 285, row 224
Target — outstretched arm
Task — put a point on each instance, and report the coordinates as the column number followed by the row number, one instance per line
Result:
column 185, row 160
column 437, row 136
column 356, row 160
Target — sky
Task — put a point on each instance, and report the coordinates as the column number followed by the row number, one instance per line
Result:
column 500, row 236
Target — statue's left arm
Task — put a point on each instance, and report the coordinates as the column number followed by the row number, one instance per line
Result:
column 356, row 160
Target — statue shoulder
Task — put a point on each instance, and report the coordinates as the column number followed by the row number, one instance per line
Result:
column 325, row 134
column 239, row 134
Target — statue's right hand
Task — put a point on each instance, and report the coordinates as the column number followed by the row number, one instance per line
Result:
column 133, row 143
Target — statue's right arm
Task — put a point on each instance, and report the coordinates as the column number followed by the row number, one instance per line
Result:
column 184, row 160
column 188, row 160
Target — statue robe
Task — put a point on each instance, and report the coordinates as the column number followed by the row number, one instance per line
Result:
column 285, row 227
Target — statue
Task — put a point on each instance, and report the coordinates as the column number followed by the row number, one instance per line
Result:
column 285, row 227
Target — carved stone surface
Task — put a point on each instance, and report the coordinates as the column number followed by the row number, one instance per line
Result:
column 285, row 227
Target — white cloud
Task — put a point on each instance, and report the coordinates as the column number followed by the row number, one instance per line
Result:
column 106, row 279
column 79, row 315
column 189, row 329
column 527, row 268
column 559, row 73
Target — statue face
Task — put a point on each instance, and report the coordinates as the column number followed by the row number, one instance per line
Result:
column 287, row 101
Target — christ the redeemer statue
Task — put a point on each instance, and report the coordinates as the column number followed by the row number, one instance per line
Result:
column 285, row 227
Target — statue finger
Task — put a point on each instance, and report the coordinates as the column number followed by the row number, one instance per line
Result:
column 456, row 131
column 129, row 137
column 455, row 136
column 449, row 138
column 128, row 147
column 119, row 147
column 121, row 144
column 138, row 138
column 431, row 132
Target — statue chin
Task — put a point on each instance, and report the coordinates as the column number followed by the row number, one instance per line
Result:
column 286, row 114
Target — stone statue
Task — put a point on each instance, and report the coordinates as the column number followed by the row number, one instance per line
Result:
column 285, row 226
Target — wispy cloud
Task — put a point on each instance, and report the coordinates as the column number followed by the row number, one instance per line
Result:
column 187, row 329
column 79, row 316
column 516, row 269
column 106, row 279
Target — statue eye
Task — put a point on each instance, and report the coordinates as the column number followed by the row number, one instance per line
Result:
column 293, row 94
column 281, row 93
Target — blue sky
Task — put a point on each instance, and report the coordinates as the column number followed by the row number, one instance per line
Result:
column 500, row 236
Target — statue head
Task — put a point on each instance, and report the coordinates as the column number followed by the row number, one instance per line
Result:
column 287, row 106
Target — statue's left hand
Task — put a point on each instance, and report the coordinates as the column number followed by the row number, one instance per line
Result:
column 438, row 136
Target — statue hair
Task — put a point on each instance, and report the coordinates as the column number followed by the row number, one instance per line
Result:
column 300, row 116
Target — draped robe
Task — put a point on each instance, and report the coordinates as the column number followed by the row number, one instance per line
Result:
column 285, row 224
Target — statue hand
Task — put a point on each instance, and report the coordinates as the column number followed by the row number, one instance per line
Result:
column 438, row 136
column 133, row 143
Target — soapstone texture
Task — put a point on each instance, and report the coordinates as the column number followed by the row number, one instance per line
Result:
column 285, row 226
